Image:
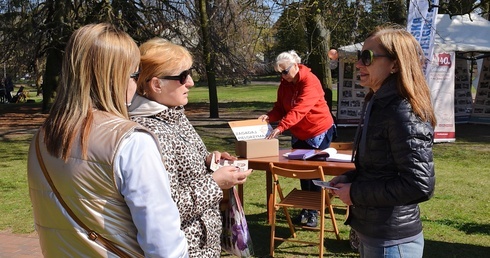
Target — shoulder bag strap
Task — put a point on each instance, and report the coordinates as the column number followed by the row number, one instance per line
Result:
column 92, row 235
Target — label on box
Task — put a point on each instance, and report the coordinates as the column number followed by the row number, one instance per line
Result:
column 250, row 129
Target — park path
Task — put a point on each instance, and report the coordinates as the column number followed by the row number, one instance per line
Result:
column 19, row 245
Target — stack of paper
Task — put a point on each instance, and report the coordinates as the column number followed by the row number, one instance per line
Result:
column 329, row 154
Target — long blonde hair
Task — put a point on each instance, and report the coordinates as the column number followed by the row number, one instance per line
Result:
column 95, row 73
column 160, row 57
column 406, row 50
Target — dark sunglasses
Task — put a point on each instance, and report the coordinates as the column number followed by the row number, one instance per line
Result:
column 367, row 57
column 182, row 77
column 135, row 75
column 286, row 71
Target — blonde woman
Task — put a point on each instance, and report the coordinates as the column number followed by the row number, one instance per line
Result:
column 163, row 86
column 107, row 169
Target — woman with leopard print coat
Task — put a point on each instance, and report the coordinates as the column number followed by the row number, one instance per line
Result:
column 160, row 107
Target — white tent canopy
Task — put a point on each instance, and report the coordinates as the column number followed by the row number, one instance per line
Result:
column 459, row 33
column 462, row 33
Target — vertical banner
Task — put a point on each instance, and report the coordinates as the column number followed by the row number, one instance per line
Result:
column 441, row 82
column 421, row 24
column 439, row 73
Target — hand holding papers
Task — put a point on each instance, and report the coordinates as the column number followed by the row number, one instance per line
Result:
column 324, row 184
column 241, row 165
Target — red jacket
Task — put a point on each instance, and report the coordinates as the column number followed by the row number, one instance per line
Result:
column 302, row 106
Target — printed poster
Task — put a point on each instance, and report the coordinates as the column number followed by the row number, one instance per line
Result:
column 481, row 107
column 441, row 81
column 463, row 100
column 350, row 94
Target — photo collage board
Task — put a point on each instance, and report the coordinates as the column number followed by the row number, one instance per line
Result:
column 481, row 107
column 350, row 95
column 463, row 100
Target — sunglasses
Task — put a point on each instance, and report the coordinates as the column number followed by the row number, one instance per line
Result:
column 367, row 57
column 135, row 75
column 286, row 71
column 182, row 77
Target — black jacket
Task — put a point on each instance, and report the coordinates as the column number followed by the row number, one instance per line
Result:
column 396, row 171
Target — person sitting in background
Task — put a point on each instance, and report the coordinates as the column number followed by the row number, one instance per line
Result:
column 301, row 108
column 394, row 162
column 9, row 87
column 107, row 169
column 163, row 87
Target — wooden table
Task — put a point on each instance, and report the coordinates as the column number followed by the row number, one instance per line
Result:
column 329, row 168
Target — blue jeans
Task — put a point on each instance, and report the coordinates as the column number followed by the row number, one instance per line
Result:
column 414, row 249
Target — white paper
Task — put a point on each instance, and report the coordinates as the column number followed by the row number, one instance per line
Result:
column 324, row 184
column 242, row 164
column 339, row 157
column 333, row 156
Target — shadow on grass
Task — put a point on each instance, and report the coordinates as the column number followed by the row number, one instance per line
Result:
column 455, row 250
column 468, row 228
column 260, row 232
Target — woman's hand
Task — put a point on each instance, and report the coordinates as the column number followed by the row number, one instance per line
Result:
column 273, row 134
column 264, row 118
column 217, row 156
column 228, row 176
column 339, row 179
column 343, row 192
column 343, row 185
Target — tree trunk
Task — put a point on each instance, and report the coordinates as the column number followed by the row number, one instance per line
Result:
column 54, row 54
column 209, row 60
column 319, row 36
column 51, row 76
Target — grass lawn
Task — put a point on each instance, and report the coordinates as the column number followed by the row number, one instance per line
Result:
column 456, row 220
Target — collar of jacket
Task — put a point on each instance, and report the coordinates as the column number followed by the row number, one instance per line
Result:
column 387, row 92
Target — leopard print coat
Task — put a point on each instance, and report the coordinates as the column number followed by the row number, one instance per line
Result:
column 193, row 189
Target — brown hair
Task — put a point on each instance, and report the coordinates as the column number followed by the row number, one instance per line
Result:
column 406, row 50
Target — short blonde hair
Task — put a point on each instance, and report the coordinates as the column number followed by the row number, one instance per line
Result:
column 160, row 57
column 289, row 57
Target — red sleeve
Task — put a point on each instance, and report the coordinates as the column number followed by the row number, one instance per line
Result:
column 278, row 111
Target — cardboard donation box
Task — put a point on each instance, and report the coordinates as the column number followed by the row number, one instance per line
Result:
column 251, row 142
column 257, row 148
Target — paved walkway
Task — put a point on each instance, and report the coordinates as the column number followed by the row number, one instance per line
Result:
column 19, row 246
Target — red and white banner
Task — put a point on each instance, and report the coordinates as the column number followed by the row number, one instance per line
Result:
column 441, row 82
column 438, row 66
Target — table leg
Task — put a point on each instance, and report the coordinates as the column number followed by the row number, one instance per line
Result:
column 270, row 202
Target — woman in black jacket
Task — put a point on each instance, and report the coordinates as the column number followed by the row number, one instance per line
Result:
column 394, row 163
